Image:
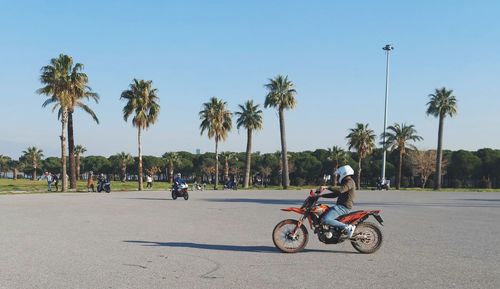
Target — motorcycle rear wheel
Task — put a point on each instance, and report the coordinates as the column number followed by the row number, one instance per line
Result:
column 186, row 196
column 367, row 238
column 174, row 195
column 285, row 241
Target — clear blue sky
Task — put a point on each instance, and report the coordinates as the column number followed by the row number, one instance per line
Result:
column 193, row 50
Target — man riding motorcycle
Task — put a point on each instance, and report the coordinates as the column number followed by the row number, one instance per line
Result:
column 178, row 181
column 345, row 196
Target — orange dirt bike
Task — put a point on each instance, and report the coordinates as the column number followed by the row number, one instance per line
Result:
column 291, row 236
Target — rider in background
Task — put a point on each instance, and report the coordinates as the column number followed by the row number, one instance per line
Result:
column 345, row 196
column 178, row 180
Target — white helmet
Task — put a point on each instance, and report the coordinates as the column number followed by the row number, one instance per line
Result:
column 344, row 171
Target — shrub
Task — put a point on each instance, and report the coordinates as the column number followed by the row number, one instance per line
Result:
column 485, row 183
column 299, row 181
column 456, row 183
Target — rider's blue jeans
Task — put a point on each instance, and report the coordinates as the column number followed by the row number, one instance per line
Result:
column 333, row 213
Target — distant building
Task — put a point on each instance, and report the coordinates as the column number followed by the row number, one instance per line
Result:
column 198, row 151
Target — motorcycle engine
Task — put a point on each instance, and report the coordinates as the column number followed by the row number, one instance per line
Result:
column 330, row 236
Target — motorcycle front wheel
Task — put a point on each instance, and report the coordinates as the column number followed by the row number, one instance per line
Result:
column 174, row 195
column 286, row 241
column 367, row 238
column 186, row 196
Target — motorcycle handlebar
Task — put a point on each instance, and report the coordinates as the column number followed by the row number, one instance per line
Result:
column 310, row 200
column 314, row 193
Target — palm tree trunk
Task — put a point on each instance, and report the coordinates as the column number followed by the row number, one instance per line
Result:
column 171, row 173
column 334, row 176
column 124, row 171
column 139, row 173
column 226, row 170
column 439, row 157
column 248, row 159
column 359, row 173
column 78, row 167
column 71, row 152
column 216, row 162
column 34, row 172
column 400, row 166
column 285, row 181
column 64, row 120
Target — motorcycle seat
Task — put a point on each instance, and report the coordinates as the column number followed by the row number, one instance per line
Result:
column 348, row 214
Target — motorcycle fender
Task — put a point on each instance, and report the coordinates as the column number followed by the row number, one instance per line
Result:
column 295, row 210
column 379, row 219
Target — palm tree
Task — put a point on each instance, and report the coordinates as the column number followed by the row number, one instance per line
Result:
column 84, row 92
column 79, row 151
column 172, row 159
column 442, row 103
column 142, row 101
column 228, row 157
column 216, row 120
column 15, row 166
column 61, row 80
column 249, row 117
column 208, row 171
column 124, row 159
column 397, row 137
column 337, row 155
column 265, row 173
column 281, row 95
column 4, row 164
column 235, row 170
column 225, row 156
column 33, row 156
column 78, row 91
column 362, row 139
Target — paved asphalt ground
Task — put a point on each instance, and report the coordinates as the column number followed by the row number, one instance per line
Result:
column 222, row 239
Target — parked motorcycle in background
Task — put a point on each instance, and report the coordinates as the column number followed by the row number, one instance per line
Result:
column 291, row 236
column 103, row 184
column 199, row 187
column 383, row 184
column 231, row 185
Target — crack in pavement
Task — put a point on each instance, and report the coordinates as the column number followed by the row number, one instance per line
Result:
column 213, row 270
column 135, row 265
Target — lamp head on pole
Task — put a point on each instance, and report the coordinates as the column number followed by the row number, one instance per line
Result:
column 388, row 47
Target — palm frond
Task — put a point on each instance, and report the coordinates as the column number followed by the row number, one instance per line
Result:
column 142, row 101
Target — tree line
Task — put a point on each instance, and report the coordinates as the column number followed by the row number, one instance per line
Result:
column 461, row 169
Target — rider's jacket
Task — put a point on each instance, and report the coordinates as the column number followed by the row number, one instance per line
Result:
column 344, row 194
column 178, row 181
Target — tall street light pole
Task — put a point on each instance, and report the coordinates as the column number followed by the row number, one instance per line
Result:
column 387, row 49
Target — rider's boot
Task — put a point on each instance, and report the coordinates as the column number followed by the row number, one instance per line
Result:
column 349, row 230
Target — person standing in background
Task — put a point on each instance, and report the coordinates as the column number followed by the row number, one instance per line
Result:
column 149, row 181
column 90, row 182
column 55, row 179
column 48, row 176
